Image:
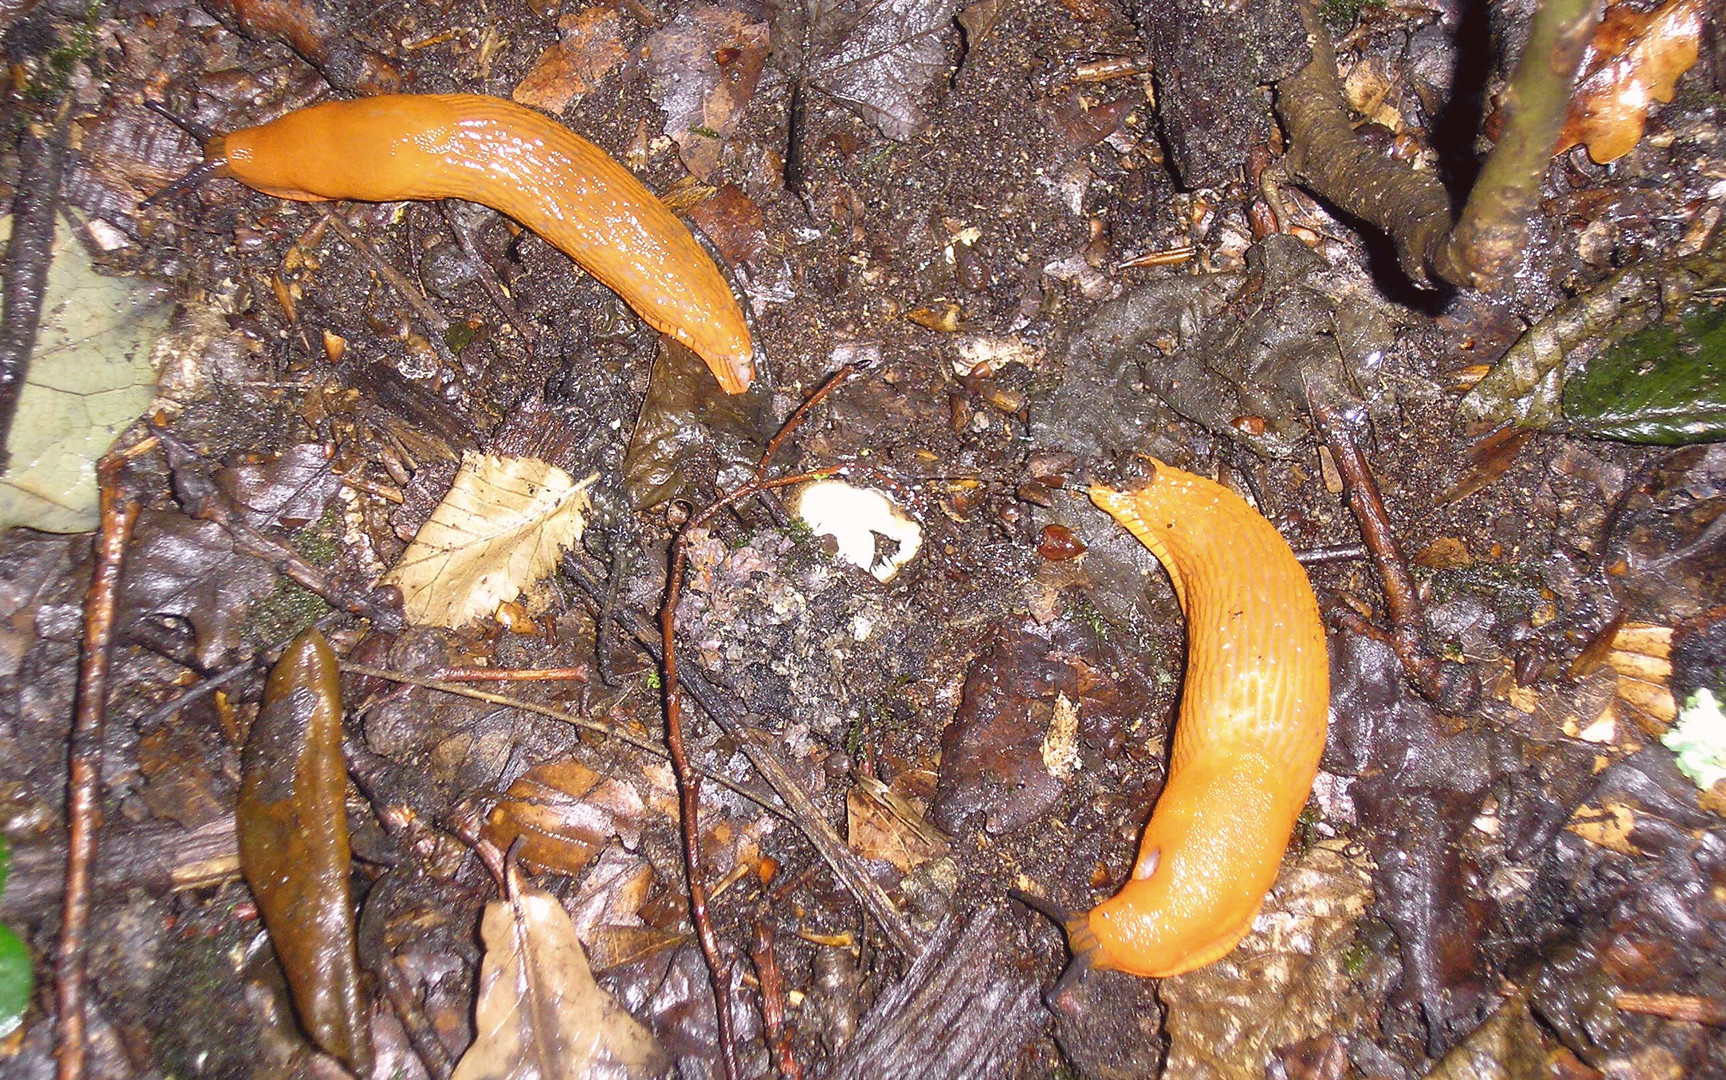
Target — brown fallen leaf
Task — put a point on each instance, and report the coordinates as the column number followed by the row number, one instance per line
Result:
column 885, row 824
column 500, row 529
column 704, row 66
column 590, row 48
column 564, row 813
column 293, row 832
column 1634, row 61
column 1288, row 980
column 539, row 1013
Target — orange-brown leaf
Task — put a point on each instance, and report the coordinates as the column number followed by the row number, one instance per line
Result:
column 1634, row 61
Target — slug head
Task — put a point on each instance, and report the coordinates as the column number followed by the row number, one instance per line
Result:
column 1208, row 857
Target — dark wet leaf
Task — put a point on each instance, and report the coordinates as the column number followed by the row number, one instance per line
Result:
column 188, row 570
column 1509, row 1046
column 877, row 56
column 293, row 829
column 564, row 812
column 290, row 491
column 1011, row 748
column 1665, row 384
column 540, row 1015
column 703, row 67
column 685, row 420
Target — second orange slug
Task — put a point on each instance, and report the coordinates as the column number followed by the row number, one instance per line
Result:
column 1247, row 744
column 514, row 160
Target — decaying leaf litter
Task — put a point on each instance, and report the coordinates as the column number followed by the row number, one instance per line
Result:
column 1503, row 870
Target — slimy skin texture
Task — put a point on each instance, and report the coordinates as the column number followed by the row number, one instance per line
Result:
column 1247, row 744
column 514, row 160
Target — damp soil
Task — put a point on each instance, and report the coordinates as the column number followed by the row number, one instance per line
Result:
column 1507, row 866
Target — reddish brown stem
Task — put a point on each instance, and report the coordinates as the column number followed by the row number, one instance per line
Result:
column 483, row 674
column 688, row 779
column 773, row 999
column 1696, row 1010
column 1433, row 678
column 119, row 512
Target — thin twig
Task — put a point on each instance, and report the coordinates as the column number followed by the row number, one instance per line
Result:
column 1444, row 683
column 688, row 779
column 460, row 690
column 486, row 674
column 35, row 203
column 1697, row 1010
column 435, row 322
column 773, row 997
column 119, row 512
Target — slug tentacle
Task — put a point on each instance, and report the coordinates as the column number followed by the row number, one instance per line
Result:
column 1247, row 744
column 516, row 161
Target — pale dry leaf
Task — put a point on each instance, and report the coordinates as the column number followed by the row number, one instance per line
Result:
column 1286, row 981
column 89, row 377
column 540, row 1015
column 500, row 529
column 1634, row 61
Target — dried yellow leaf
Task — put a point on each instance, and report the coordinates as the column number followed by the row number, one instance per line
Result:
column 499, row 530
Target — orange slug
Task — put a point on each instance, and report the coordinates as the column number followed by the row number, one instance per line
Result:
column 514, row 160
column 1247, row 745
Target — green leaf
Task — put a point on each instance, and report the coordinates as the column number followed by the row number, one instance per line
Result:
column 1665, row 384
column 15, row 981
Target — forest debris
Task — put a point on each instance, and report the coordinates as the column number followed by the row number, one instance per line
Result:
column 1525, row 386
column 1634, row 61
column 1606, row 825
column 293, row 831
column 191, row 570
column 1287, row 981
column 965, row 1010
column 589, row 48
column 877, row 56
column 89, row 376
column 540, row 1015
column 564, row 813
column 290, row 492
column 686, row 418
column 885, row 824
column 868, row 527
column 499, row 530
column 733, row 221
column 1699, row 739
column 703, row 67
column 1508, row 1046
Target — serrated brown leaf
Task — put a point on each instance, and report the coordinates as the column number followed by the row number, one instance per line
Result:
column 292, row 822
column 590, row 48
column 1635, row 60
column 540, row 1015
column 499, row 529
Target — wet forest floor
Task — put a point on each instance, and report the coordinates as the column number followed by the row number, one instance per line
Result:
column 969, row 235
